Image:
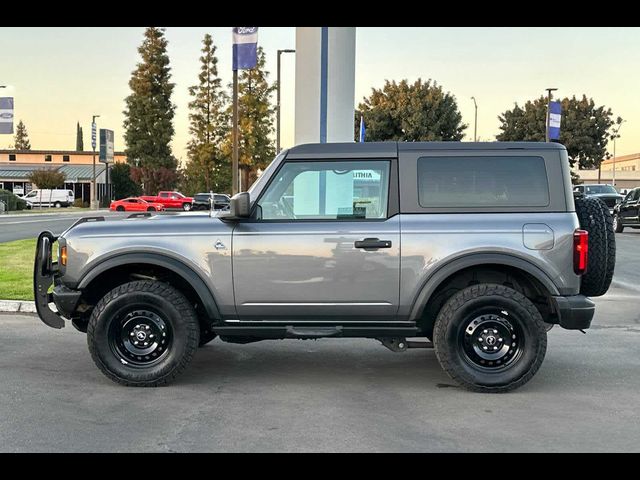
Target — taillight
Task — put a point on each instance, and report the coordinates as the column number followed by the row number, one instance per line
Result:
column 580, row 251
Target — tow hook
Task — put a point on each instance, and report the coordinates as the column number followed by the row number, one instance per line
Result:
column 400, row 344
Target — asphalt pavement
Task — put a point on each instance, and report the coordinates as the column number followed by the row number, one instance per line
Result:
column 328, row 395
column 29, row 225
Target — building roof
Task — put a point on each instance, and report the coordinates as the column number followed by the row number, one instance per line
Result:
column 54, row 152
column 622, row 158
column 80, row 172
column 73, row 173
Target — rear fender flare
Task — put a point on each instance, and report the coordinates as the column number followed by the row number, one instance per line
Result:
column 454, row 266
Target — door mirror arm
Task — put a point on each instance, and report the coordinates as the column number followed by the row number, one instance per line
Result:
column 239, row 207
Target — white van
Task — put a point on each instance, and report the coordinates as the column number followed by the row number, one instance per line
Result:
column 49, row 198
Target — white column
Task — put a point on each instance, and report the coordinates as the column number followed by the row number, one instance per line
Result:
column 325, row 84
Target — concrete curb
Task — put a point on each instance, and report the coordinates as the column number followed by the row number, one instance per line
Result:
column 17, row 306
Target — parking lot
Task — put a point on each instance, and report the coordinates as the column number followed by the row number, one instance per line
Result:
column 329, row 395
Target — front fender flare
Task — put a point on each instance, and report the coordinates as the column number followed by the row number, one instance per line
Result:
column 477, row 259
column 186, row 272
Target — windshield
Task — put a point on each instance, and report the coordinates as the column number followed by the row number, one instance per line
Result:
column 255, row 187
column 596, row 189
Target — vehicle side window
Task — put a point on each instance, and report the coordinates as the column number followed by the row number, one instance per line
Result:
column 636, row 194
column 338, row 190
column 164, row 195
column 478, row 181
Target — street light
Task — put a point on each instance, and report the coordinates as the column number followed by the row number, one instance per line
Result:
column 475, row 121
column 280, row 52
column 549, row 90
column 614, row 136
column 93, row 145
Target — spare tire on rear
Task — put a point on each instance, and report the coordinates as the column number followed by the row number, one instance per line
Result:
column 594, row 217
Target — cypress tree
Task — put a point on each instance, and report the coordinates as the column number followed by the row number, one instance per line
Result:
column 207, row 168
column 149, row 115
column 256, row 148
column 79, row 139
column 21, row 139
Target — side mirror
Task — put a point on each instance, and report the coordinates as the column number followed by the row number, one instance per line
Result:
column 240, row 206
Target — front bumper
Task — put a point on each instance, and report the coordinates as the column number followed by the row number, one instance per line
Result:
column 575, row 312
column 44, row 272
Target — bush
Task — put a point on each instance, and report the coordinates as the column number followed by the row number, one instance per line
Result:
column 13, row 202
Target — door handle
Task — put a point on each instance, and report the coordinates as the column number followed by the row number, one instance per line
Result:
column 372, row 243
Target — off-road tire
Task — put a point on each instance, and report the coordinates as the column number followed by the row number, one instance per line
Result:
column 452, row 322
column 595, row 218
column 164, row 300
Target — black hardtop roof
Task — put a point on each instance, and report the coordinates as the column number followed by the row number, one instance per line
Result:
column 391, row 149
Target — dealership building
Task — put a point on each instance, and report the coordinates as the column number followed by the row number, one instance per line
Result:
column 627, row 172
column 17, row 165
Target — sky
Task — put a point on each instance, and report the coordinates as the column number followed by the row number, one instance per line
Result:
column 59, row 76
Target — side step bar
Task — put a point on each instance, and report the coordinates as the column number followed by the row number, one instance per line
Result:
column 310, row 332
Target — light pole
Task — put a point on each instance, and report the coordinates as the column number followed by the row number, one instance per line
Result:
column 549, row 90
column 615, row 135
column 475, row 121
column 94, row 196
column 280, row 52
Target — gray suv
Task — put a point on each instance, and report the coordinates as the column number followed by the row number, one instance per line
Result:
column 475, row 247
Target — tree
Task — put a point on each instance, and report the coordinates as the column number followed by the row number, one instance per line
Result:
column 21, row 139
column 47, row 180
column 123, row 184
column 256, row 148
column 420, row 111
column 79, row 139
column 207, row 167
column 584, row 128
column 149, row 115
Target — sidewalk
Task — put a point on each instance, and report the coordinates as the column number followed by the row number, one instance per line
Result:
column 17, row 306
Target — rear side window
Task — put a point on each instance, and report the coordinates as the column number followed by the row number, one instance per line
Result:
column 500, row 181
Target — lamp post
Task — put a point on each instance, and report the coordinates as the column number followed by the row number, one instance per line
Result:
column 549, row 90
column 280, row 52
column 475, row 120
column 615, row 136
column 94, row 196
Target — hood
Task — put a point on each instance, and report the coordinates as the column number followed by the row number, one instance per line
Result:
column 178, row 224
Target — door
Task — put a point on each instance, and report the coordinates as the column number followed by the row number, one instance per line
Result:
column 323, row 243
column 629, row 208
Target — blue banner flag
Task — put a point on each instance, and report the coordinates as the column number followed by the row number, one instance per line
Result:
column 362, row 128
column 555, row 115
column 245, row 48
column 6, row 115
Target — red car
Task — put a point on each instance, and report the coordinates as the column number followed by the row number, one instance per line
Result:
column 135, row 205
column 170, row 200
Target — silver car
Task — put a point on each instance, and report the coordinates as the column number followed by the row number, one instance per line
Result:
column 474, row 247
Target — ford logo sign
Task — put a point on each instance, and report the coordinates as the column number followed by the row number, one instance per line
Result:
column 246, row 30
column 6, row 115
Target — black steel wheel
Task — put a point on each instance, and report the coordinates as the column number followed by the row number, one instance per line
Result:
column 490, row 338
column 618, row 227
column 140, row 337
column 143, row 333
